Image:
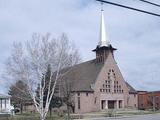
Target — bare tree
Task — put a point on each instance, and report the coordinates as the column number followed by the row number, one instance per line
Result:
column 67, row 96
column 29, row 62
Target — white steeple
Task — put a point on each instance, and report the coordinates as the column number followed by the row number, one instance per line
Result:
column 104, row 41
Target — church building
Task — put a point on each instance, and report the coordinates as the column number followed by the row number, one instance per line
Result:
column 98, row 84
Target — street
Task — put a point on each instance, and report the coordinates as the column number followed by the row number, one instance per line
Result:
column 138, row 117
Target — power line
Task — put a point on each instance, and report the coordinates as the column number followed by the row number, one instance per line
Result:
column 150, row 3
column 131, row 8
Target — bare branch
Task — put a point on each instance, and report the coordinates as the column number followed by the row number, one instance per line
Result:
column 29, row 62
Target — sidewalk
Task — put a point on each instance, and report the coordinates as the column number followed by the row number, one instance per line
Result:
column 119, row 114
column 108, row 118
column 134, row 117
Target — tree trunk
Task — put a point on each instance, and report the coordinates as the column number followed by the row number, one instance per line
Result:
column 21, row 108
column 42, row 117
column 50, row 111
column 68, row 112
column 73, row 109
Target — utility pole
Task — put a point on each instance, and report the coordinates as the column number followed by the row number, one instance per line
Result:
column 153, row 96
column 153, row 101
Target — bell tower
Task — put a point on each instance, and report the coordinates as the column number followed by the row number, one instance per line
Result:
column 104, row 47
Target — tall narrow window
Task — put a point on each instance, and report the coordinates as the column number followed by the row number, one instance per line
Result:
column 79, row 103
column 134, row 105
column 100, row 90
column 87, row 94
column 95, row 100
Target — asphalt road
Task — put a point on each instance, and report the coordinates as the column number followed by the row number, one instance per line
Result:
column 138, row 117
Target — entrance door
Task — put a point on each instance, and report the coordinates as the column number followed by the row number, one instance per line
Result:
column 111, row 104
column 103, row 104
column 120, row 104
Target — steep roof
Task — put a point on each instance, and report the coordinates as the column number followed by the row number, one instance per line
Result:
column 131, row 89
column 84, row 75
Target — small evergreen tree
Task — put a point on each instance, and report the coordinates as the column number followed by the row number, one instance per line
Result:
column 19, row 95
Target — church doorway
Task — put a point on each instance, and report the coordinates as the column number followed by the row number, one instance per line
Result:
column 111, row 104
column 120, row 103
column 103, row 104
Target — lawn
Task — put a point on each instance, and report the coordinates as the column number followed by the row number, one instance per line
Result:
column 35, row 116
column 29, row 116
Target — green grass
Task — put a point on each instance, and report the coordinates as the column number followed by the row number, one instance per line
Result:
column 33, row 116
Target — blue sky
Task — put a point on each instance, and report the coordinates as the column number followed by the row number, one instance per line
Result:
column 135, row 35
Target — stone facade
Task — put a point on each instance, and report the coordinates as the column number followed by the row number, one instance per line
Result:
column 84, row 99
column 133, row 101
column 110, row 91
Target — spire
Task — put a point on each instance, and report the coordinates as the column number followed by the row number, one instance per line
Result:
column 104, row 47
column 103, row 38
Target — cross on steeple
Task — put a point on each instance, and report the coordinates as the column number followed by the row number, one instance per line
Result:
column 103, row 40
column 101, row 6
column 104, row 47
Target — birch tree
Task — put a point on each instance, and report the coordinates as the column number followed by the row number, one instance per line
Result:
column 29, row 61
